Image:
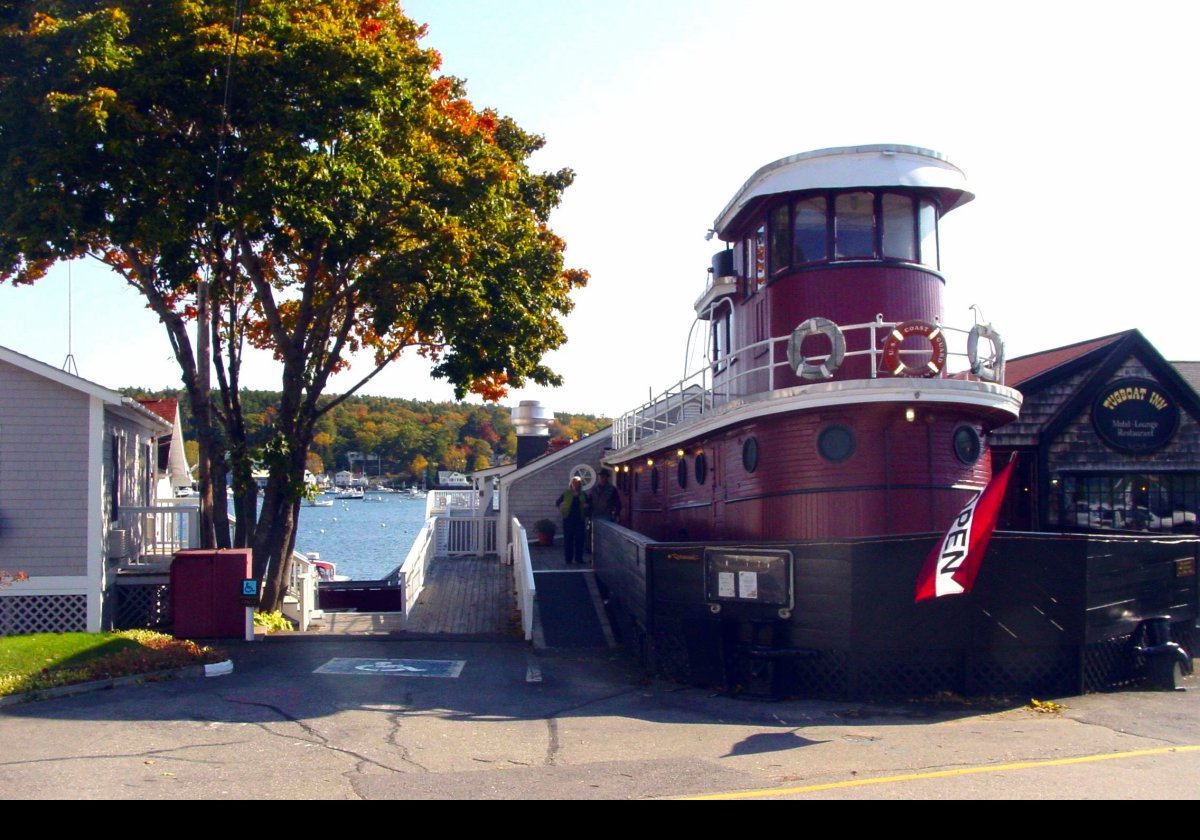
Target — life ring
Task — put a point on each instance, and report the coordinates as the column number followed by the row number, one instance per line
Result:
column 990, row 368
column 826, row 368
column 896, row 366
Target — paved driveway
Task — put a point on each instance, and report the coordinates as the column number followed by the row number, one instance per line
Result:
column 514, row 725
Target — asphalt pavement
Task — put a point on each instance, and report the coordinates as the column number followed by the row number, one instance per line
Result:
column 443, row 719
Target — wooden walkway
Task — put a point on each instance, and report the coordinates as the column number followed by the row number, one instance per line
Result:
column 467, row 595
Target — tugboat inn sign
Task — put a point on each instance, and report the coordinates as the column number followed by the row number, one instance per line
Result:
column 1135, row 416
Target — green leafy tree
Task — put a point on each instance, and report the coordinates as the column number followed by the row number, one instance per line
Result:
column 296, row 178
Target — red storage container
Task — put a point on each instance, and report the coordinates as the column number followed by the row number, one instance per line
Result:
column 206, row 589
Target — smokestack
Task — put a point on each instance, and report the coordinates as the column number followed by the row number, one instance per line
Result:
column 531, row 422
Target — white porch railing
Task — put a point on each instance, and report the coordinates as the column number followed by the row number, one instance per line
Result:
column 465, row 536
column 157, row 532
column 518, row 553
column 698, row 393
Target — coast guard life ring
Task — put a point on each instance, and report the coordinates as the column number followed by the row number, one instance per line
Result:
column 896, row 366
column 991, row 367
column 813, row 370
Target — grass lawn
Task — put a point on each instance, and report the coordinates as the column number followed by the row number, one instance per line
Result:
column 47, row 660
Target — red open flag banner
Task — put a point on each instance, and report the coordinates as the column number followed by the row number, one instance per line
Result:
column 953, row 565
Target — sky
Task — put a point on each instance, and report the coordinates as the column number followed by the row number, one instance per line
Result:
column 1068, row 119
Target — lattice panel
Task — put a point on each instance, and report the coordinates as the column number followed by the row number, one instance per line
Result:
column 906, row 679
column 822, row 675
column 1110, row 664
column 148, row 606
column 1049, row 672
column 24, row 614
column 670, row 656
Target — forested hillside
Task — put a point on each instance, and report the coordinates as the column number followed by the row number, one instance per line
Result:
column 411, row 439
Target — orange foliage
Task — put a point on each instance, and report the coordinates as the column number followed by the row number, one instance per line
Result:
column 493, row 387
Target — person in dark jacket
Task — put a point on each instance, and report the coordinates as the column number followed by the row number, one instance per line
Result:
column 605, row 499
column 575, row 507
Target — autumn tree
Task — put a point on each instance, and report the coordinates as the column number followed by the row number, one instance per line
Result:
column 287, row 175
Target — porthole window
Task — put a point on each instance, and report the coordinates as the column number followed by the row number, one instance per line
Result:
column 967, row 445
column 836, row 443
column 701, row 468
column 681, row 473
column 750, row 454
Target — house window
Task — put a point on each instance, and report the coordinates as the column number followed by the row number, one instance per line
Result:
column 1160, row 503
column 148, row 474
column 114, row 479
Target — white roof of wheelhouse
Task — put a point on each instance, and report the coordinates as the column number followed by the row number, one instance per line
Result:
column 881, row 165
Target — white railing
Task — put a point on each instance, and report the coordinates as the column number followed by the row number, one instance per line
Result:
column 411, row 573
column 439, row 502
column 458, row 536
column 518, row 553
column 695, row 394
column 163, row 529
column 302, row 585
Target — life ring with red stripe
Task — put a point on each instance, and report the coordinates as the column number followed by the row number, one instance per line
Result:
column 896, row 366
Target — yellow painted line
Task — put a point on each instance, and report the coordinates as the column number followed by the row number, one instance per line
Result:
column 944, row 774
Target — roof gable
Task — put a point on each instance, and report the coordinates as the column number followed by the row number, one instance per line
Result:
column 1056, row 363
column 1107, row 357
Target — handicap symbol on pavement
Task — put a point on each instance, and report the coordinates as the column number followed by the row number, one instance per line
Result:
column 388, row 666
column 445, row 668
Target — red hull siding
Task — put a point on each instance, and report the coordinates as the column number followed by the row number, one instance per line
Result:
column 845, row 294
column 899, row 480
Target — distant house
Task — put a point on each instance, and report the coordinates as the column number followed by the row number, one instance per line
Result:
column 451, row 479
column 78, row 471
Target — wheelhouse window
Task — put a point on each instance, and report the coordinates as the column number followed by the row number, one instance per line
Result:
column 760, row 257
column 927, row 231
column 780, row 244
column 809, row 226
column 854, row 225
column 899, row 227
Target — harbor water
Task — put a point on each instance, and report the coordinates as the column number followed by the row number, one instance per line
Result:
column 365, row 538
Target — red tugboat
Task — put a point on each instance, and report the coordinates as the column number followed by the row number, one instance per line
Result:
column 782, row 499
column 836, row 401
